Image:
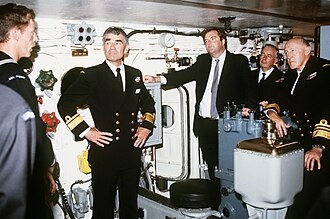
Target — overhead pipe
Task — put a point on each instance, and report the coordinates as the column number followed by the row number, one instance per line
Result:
column 155, row 31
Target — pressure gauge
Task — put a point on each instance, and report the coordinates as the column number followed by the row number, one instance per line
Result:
column 166, row 40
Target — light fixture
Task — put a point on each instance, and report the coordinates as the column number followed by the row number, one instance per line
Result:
column 227, row 22
column 81, row 34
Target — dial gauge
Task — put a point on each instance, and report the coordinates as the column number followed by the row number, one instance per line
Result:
column 166, row 40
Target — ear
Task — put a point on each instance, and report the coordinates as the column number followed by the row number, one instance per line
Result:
column 14, row 33
column 126, row 50
column 308, row 50
column 223, row 41
column 17, row 34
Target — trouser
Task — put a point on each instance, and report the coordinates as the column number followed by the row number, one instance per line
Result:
column 314, row 183
column 321, row 208
column 208, row 142
column 105, row 182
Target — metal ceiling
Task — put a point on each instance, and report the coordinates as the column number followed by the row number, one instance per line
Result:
column 300, row 15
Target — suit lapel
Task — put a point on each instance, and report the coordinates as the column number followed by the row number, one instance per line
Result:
column 271, row 77
column 303, row 77
column 206, row 74
column 224, row 73
column 129, row 81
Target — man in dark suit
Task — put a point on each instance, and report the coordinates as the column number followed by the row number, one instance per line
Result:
column 305, row 87
column 114, row 93
column 233, row 83
column 17, row 38
column 268, row 76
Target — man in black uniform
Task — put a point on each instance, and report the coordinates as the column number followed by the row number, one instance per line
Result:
column 17, row 38
column 216, row 84
column 306, row 85
column 114, row 93
column 268, row 76
column 17, row 150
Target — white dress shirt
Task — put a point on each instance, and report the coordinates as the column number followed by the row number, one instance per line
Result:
column 122, row 72
column 205, row 104
column 266, row 75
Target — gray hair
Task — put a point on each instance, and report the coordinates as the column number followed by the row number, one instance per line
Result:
column 271, row 46
column 115, row 31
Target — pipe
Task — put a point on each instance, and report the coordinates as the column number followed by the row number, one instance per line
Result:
column 154, row 31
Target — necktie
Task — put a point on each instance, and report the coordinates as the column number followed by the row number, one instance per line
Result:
column 120, row 81
column 263, row 77
column 214, row 91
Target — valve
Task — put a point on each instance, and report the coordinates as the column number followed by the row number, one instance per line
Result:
column 46, row 80
column 51, row 121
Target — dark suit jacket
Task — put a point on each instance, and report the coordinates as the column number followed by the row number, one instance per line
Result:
column 235, row 82
column 268, row 89
column 112, row 112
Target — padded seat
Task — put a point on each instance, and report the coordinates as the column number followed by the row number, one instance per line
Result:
column 195, row 193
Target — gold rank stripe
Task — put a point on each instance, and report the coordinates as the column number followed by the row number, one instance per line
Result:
column 273, row 105
column 149, row 117
column 322, row 129
column 74, row 121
